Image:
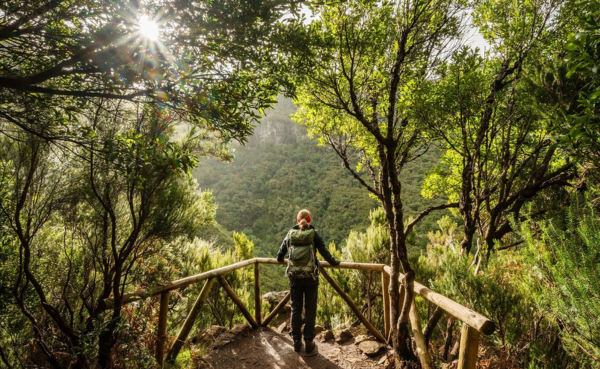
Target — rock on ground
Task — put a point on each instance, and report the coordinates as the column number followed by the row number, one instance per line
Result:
column 241, row 330
column 343, row 336
column 371, row 348
column 363, row 337
column 325, row 336
column 274, row 298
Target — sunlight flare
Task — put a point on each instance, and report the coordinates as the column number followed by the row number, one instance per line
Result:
column 148, row 28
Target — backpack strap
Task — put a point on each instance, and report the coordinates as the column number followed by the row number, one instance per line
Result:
column 313, row 252
column 289, row 250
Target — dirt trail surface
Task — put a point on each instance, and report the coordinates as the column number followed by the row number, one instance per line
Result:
column 265, row 349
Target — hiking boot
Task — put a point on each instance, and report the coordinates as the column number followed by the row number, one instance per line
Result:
column 310, row 346
column 297, row 345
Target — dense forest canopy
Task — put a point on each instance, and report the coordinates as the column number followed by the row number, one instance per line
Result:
column 127, row 160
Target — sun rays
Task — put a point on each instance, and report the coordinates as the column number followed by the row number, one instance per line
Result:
column 148, row 28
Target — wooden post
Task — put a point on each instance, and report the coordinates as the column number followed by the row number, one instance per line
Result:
column 189, row 321
column 257, row 297
column 354, row 308
column 469, row 342
column 237, row 301
column 422, row 349
column 278, row 308
column 385, row 284
column 162, row 328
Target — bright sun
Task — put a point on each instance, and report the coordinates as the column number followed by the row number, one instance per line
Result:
column 148, row 28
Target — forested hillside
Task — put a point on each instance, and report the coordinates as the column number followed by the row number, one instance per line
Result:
column 280, row 171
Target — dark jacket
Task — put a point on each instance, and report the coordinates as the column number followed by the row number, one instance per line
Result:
column 319, row 246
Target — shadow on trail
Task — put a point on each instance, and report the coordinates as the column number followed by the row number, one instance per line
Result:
column 265, row 349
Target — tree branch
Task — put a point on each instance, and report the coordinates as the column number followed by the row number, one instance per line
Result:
column 510, row 246
column 342, row 154
column 105, row 95
column 9, row 30
column 426, row 212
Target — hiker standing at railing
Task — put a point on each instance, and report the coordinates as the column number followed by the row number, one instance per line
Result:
column 300, row 246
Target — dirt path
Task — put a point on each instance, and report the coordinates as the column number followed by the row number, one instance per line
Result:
column 266, row 349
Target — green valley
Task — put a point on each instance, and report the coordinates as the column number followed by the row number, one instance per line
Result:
column 280, row 171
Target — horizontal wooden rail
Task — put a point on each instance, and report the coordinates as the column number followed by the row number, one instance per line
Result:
column 324, row 264
column 472, row 318
column 184, row 282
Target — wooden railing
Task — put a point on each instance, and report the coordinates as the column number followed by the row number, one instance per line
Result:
column 473, row 322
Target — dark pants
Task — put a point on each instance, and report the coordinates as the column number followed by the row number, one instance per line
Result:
column 304, row 296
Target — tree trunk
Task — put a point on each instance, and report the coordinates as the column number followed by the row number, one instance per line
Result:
column 404, row 339
column 108, row 337
column 469, row 228
column 448, row 340
column 398, row 256
column 465, row 206
column 432, row 323
column 394, row 289
column 106, row 342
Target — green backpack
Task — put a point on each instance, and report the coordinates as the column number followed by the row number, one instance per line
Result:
column 302, row 262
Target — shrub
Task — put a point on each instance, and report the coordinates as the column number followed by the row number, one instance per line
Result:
column 499, row 289
column 565, row 255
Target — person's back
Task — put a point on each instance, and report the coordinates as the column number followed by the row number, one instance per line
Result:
column 302, row 262
column 300, row 246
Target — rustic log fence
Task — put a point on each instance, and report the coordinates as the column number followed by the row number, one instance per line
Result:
column 473, row 322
